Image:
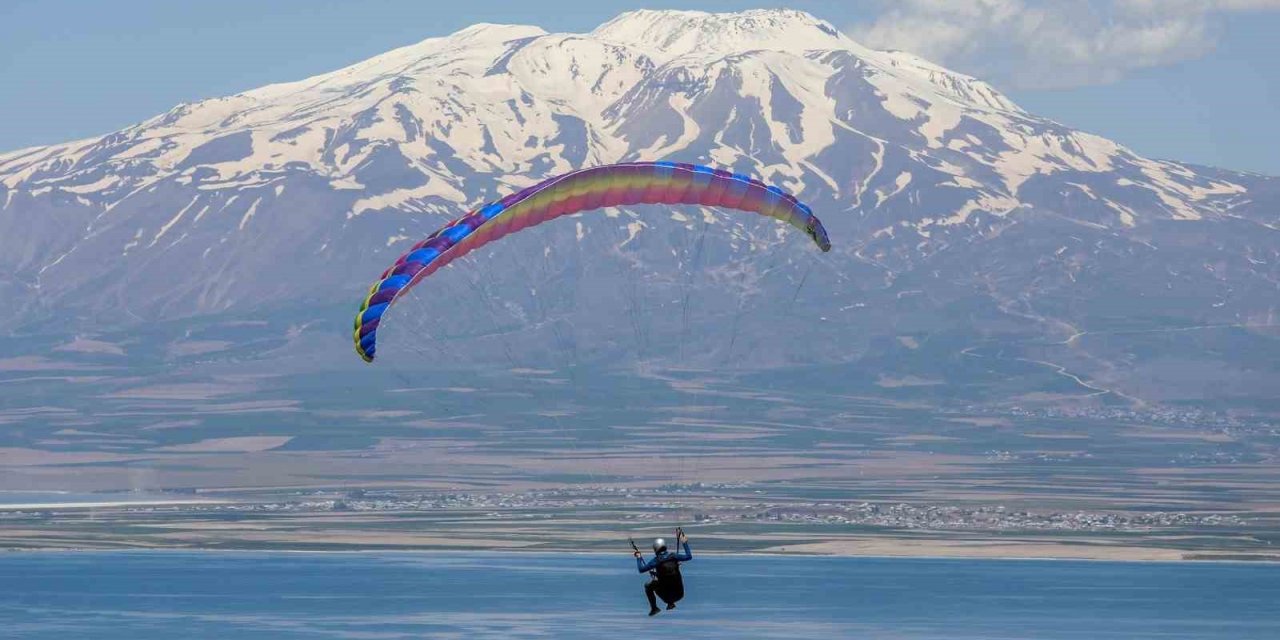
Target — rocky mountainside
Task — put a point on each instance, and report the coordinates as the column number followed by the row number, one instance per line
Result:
column 968, row 232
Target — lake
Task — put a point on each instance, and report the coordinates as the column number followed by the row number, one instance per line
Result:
column 372, row 596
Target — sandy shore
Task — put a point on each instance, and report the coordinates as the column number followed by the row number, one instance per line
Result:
column 981, row 549
column 257, row 536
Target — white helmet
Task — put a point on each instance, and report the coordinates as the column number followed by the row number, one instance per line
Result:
column 659, row 545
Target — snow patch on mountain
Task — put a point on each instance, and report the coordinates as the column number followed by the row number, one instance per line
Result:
column 513, row 100
column 668, row 35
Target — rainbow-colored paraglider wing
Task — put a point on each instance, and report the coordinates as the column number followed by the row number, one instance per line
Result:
column 598, row 187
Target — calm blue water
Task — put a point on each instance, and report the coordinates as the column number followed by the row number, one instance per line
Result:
column 138, row 595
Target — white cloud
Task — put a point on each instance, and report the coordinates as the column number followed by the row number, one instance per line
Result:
column 1052, row 43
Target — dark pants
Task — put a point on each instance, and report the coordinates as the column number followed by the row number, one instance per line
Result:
column 670, row 591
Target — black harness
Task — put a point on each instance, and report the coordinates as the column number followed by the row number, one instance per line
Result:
column 668, row 569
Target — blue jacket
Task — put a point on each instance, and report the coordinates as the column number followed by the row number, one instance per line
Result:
column 659, row 557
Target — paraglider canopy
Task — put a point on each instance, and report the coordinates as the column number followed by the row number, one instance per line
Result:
column 613, row 185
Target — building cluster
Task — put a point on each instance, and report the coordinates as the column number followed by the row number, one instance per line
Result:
column 703, row 503
column 983, row 518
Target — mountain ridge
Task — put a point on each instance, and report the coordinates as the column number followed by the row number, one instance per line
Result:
column 916, row 170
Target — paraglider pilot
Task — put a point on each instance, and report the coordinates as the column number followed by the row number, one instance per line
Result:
column 665, row 569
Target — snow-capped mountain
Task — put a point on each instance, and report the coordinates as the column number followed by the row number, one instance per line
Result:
column 958, row 217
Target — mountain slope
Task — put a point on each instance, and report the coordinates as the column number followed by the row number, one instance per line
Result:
column 960, row 220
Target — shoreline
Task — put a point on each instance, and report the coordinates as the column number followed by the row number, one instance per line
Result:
column 514, row 551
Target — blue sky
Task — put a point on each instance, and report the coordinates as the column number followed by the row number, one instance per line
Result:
column 1193, row 80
